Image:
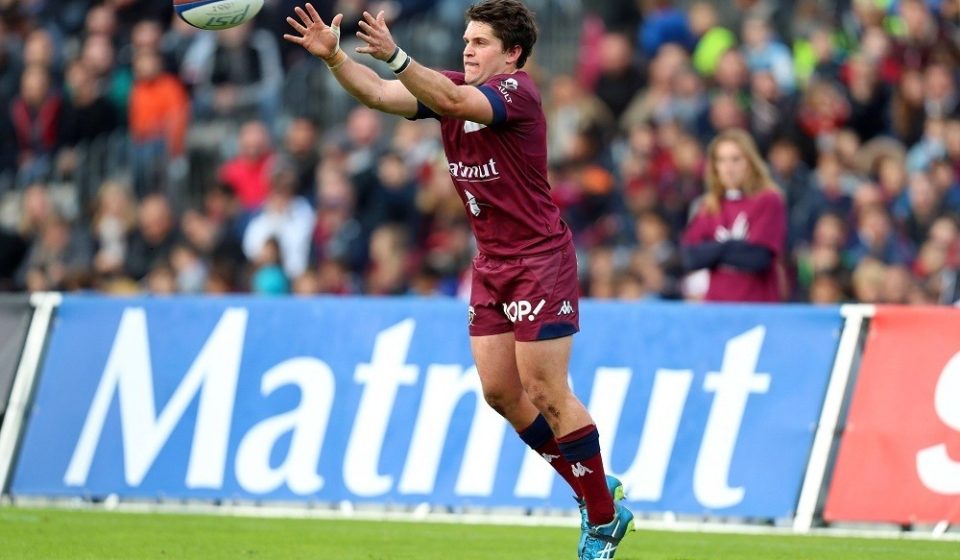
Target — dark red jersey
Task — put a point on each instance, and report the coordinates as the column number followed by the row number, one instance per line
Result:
column 500, row 170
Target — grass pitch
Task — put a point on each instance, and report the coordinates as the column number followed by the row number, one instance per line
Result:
column 29, row 534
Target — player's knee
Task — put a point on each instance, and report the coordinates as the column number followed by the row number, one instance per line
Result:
column 500, row 400
column 537, row 393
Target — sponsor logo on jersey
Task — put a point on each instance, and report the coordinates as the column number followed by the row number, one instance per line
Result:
column 470, row 126
column 473, row 172
column 522, row 309
column 566, row 308
column 506, row 86
column 471, row 315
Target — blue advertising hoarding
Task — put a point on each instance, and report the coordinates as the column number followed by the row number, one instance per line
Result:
column 701, row 409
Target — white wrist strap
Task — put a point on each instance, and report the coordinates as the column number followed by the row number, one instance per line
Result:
column 399, row 61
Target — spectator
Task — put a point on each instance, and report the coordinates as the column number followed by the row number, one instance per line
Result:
column 868, row 281
column 268, row 276
column 620, row 77
column 739, row 231
column 242, row 76
column 87, row 115
column 712, row 40
column 763, row 52
column 98, row 55
column 925, row 206
column 924, row 40
column 161, row 280
column 286, row 217
column 790, row 172
column 822, row 113
column 572, row 110
column 654, row 103
column 867, row 97
column 771, row 112
column 248, row 174
column 189, row 269
column 338, row 235
column 875, row 238
column 664, row 23
column 39, row 50
column 113, row 221
column 940, row 92
column 388, row 270
column 823, row 255
column 57, row 256
column 35, row 115
column 219, row 250
column 301, row 147
column 907, row 108
column 827, row 289
column 150, row 244
column 159, row 113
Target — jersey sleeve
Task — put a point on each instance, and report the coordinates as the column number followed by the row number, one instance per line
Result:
column 513, row 98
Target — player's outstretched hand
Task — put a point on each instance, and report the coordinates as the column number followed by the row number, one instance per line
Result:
column 376, row 35
column 317, row 37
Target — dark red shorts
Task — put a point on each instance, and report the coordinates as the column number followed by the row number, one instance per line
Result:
column 535, row 297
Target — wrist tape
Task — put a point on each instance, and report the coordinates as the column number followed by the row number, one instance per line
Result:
column 399, row 61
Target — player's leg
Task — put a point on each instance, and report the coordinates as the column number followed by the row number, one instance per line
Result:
column 543, row 366
column 494, row 352
column 495, row 357
column 543, row 369
column 544, row 342
column 497, row 368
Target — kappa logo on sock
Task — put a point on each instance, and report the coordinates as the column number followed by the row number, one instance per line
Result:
column 580, row 470
column 548, row 457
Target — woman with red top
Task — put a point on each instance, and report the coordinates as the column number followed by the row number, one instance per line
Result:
column 739, row 231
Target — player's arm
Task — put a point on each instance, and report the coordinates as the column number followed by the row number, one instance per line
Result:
column 432, row 88
column 323, row 41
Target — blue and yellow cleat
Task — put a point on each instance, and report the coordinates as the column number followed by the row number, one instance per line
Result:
column 616, row 491
column 602, row 540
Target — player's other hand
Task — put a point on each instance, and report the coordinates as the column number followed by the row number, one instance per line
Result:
column 376, row 35
column 317, row 37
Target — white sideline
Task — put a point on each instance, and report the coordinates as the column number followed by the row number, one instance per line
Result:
column 44, row 305
column 810, row 491
column 555, row 518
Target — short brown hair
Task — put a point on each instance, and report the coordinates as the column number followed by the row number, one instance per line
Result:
column 512, row 22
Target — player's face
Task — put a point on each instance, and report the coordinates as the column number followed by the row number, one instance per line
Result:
column 732, row 166
column 483, row 54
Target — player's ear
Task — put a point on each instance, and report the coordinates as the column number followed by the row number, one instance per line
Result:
column 513, row 54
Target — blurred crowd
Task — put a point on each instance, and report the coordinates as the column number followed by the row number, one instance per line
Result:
column 138, row 154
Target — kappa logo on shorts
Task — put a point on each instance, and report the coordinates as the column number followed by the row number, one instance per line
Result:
column 471, row 315
column 522, row 309
column 566, row 308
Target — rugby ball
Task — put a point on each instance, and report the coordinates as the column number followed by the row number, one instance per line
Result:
column 217, row 14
